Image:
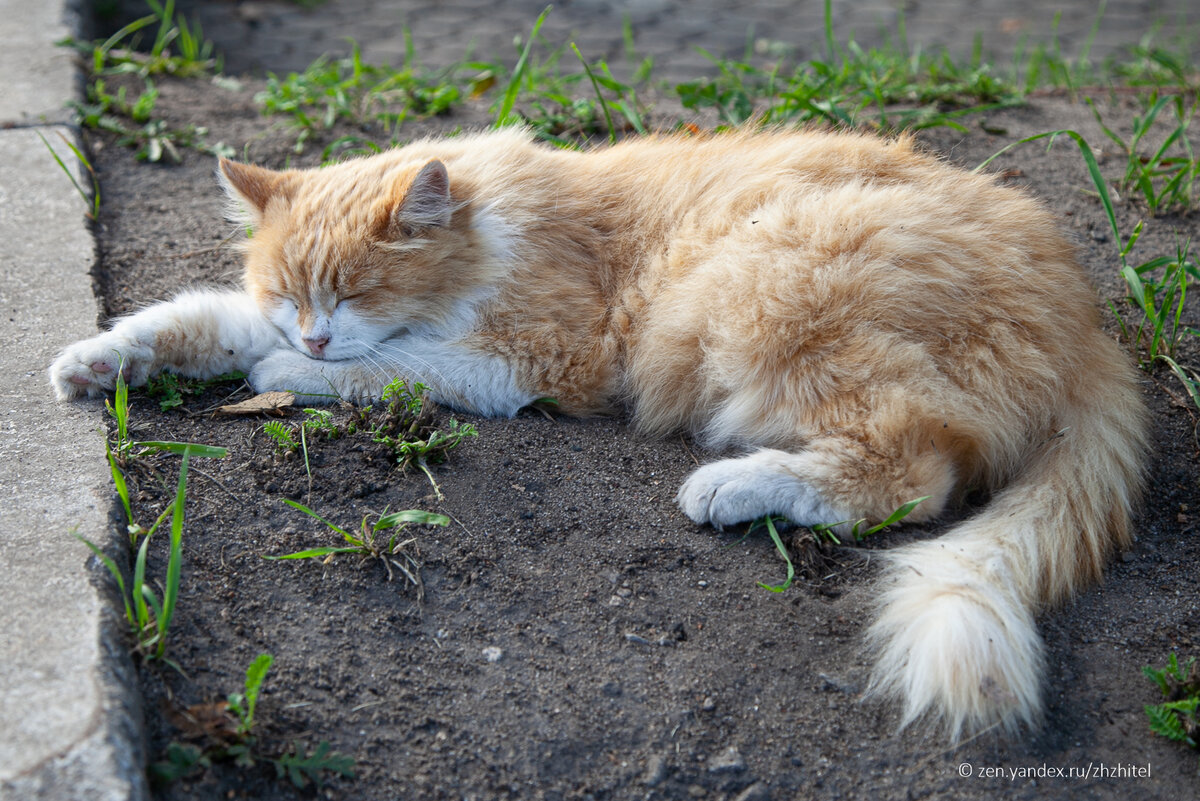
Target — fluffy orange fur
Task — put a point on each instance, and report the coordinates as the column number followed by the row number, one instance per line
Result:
column 884, row 325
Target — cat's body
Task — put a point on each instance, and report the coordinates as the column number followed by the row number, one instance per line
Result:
column 888, row 327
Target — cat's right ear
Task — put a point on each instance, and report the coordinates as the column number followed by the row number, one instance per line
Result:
column 250, row 188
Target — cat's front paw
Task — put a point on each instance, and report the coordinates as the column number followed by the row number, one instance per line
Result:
column 90, row 366
column 763, row 483
column 288, row 370
column 316, row 381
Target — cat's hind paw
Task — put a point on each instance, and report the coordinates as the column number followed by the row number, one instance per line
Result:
column 764, row 483
column 90, row 366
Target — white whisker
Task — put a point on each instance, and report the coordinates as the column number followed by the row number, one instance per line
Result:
column 389, row 349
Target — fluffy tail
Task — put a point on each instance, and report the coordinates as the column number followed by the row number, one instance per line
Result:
column 955, row 640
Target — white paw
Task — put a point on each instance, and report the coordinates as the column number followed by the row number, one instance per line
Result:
column 287, row 370
column 89, row 367
column 312, row 381
column 763, row 483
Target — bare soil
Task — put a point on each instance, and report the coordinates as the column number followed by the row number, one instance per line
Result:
column 638, row 657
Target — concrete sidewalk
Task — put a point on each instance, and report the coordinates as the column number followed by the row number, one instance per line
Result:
column 70, row 721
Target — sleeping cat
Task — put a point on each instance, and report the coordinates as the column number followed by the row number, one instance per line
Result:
column 863, row 323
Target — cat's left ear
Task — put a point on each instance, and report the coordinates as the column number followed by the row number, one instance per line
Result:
column 250, row 187
column 426, row 203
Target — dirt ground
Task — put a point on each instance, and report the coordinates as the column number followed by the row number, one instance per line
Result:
column 578, row 637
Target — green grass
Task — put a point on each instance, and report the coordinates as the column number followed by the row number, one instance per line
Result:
column 148, row 615
column 148, row 612
column 281, row 434
column 243, row 704
column 92, row 200
column 1177, row 715
column 1159, row 297
column 392, row 549
column 403, row 424
column 535, row 92
column 171, row 389
column 858, row 530
column 891, row 87
column 1162, row 179
column 1156, row 288
column 123, row 450
column 349, row 90
column 176, row 49
column 231, row 738
column 555, row 103
column 152, row 139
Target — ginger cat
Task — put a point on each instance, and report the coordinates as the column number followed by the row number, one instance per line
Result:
column 865, row 323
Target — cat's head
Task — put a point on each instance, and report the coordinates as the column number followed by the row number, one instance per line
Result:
column 344, row 257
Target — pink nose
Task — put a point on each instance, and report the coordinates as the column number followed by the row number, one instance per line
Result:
column 317, row 346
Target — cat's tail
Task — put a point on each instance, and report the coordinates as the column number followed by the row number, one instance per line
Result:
column 955, row 640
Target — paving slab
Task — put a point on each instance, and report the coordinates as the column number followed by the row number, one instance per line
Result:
column 70, row 720
column 36, row 73
column 258, row 36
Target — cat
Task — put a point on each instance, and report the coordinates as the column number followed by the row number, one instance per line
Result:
column 863, row 322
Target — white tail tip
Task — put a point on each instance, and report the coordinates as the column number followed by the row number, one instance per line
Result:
column 955, row 644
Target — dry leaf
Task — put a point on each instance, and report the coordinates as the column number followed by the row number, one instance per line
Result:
column 266, row 403
column 207, row 721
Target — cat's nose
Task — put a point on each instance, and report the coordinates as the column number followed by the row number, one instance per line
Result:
column 317, row 346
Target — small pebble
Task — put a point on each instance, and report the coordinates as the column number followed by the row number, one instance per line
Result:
column 755, row 792
column 492, row 653
column 656, row 770
column 728, row 761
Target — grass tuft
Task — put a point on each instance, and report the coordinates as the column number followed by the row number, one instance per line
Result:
column 394, row 551
column 349, row 90
column 228, row 733
column 1177, row 716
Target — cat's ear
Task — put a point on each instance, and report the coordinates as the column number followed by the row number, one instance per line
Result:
column 425, row 204
column 250, row 187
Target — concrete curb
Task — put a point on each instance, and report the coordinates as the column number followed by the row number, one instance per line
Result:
column 70, row 716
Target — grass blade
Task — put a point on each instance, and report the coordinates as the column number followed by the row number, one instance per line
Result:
column 94, row 200
column 116, row 574
column 895, row 517
column 314, row 552
column 779, row 546
column 1089, row 159
column 255, row 675
column 139, row 583
column 175, row 558
column 119, row 482
column 612, row 132
column 411, row 516
column 1191, row 383
column 514, row 83
column 186, row 448
column 315, row 516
